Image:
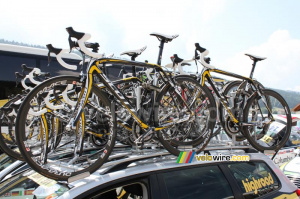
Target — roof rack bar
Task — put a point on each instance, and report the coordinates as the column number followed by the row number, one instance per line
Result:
column 123, row 163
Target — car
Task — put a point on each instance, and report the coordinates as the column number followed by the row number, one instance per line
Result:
column 292, row 170
column 157, row 174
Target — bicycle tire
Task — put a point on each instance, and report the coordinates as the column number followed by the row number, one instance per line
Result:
column 229, row 87
column 280, row 106
column 21, row 137
column 175, row 147
column 10, row 149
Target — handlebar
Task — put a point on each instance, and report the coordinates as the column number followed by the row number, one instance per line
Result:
column 81, row 39
column 178, row 63
column 34, row 73
column 204, row 61
column 59, row 52
column 94, row 46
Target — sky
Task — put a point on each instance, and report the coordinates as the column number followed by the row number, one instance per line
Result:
column 227, row 28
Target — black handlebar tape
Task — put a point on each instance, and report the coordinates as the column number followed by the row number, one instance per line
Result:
column 185, row 64
column 25, row 68
column 18, row 75
column 73, row 33
column 198, row 47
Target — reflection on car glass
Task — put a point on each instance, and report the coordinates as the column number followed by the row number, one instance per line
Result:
column 20, row 186
column 5, row 161
column 132, row 191
column 203, row 182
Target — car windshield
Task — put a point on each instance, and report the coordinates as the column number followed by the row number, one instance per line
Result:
column 5, row 161
column 30, row 185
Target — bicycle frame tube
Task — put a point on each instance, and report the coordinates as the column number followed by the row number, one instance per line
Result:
column 206, row 75
column 93, row 69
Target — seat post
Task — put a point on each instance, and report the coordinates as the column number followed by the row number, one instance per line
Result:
column 253, row 68
column 133, row 67
column 161, row 48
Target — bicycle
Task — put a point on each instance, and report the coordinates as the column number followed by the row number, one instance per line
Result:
column 181, row 110
column 254, row 119
column 8, row 112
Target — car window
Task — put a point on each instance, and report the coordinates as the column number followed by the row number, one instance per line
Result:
column 200, row 182
column 129, row 191
column 5, row 161
column 254, row 178
column 21, row 186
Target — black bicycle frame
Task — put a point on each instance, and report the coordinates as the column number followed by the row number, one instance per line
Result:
column 93, row 69
column 205, row 75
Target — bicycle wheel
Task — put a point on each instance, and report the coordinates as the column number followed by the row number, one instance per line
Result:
column 195, row 133
column 265, row 132
column 234, row 97
column 73, row 155
column 8, row 142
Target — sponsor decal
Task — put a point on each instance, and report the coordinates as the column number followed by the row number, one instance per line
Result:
column 28, row 192
column 256, row 184
column 220, row 157
column 186, row 157
column 16, row 193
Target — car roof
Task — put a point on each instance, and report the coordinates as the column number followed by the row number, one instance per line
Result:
column 147, row 163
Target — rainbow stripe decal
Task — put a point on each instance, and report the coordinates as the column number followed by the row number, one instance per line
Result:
column 186, row 157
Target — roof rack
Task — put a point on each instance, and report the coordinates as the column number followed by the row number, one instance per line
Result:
column 123, row 163
column 247, row 149
column 124, row 155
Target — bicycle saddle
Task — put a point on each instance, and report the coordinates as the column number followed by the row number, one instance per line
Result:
column 134, row 53
column 255, row 58
column 162, row 37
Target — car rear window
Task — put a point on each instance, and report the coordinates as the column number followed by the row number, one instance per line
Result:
column 254, row 178
column 200, row 182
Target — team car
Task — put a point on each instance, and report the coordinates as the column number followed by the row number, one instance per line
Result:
column 159, row 175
